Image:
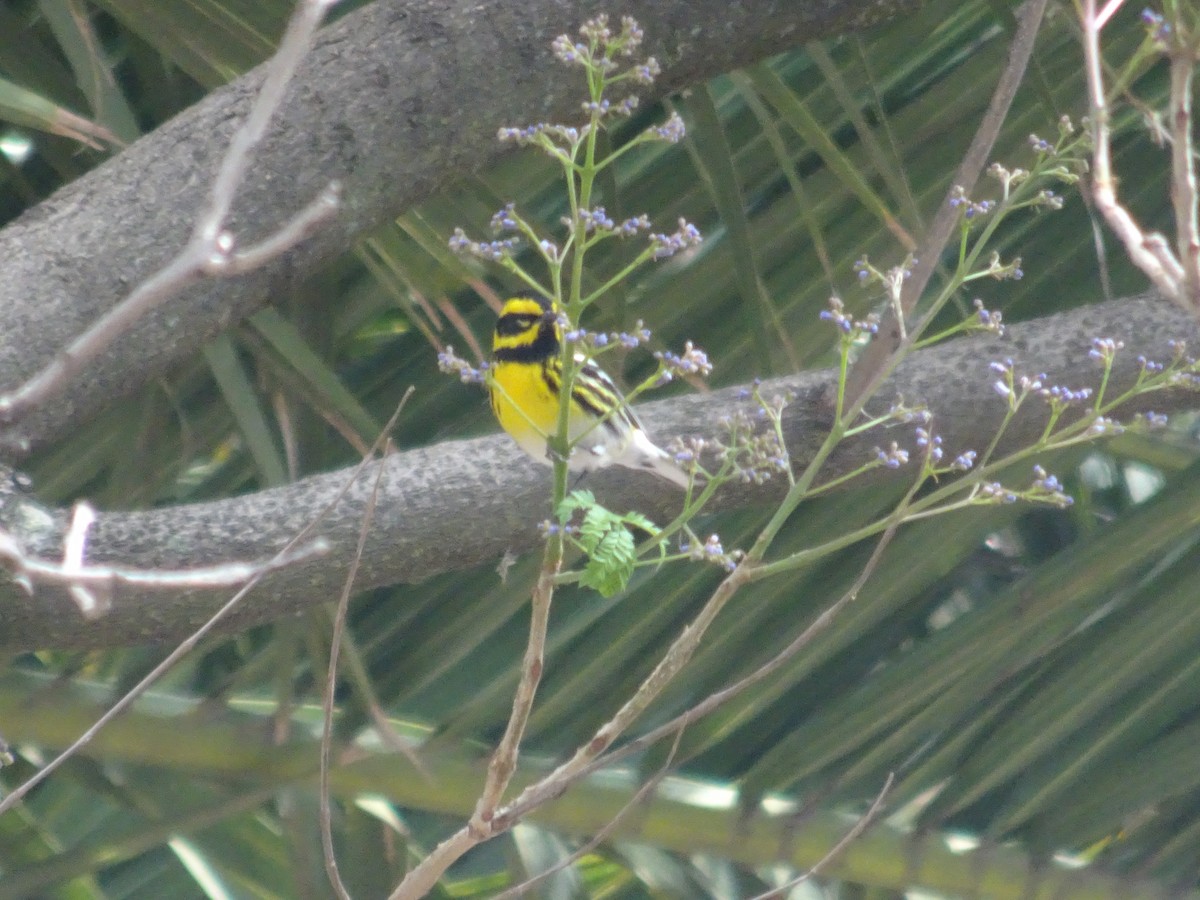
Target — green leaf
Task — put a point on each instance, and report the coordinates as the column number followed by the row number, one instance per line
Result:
column 611, row 558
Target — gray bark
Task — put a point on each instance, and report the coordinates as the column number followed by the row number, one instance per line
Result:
column 466, row 503
column 395, row 98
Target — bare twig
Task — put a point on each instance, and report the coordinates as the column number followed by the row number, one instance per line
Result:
column 591, row 755
column 483, row 824
column 603, row 834
column 1108, row 12
column 339, row 620
column 74, row 548
column 300, row 226
column 865, row 821
column 559, row 780
column 1183, row 170
column 210, row 249
column 504, row 760
column 1149, row 252
column 91, row 584
column 894, row 340
column 289, row 551
column 182, row 650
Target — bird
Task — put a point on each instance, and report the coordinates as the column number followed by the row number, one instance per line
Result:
column 525, row 381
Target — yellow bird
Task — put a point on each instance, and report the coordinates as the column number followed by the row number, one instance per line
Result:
column 525, row 384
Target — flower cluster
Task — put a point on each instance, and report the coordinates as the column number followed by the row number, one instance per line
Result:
column 964, row 462
column 1004, row 271
column 671, row 131
column 750, row 454
column 932, row 445
column 1008, row 179
column 693, row 361
column 666, row 245
column 593, row 220
column 892, row 458
column 846, row 323
column 1157, row 27
column 1015, row 388
column 971, row 209
column 1104, row 350
column 1104, row 426
column 492, row 251
column 597, row 222
column 1044, row 199
column 892, row 278
column 548, row 529
column 1044, row 149
column 901, row 412
column 1041, row 145
column 504, row 219
column 991, row 320
column 452, row 364
column 687, row 452
column 600, row 44
column 605, row 54
column 712, row 551
column 995, row 492
column 545, row 135
column 596, row 341
column 1046, row 489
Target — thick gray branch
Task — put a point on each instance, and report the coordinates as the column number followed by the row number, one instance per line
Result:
column 396, row 98
column 467, row 503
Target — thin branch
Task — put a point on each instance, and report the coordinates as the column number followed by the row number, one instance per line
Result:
column 343, row 603
column 1150, row 253
column 504, row 760
column 1108, row 12
column 559, row 780
column 339, row 621
column 675, row 658
column 483, row 824
column 603, row 834
column 209, row 250
column 74, row 548
column 182, row 650
column 293, row 47
column 894, row 339
column 866, row 821
column 318, row 211
column 1183, row 170
column 91, row 584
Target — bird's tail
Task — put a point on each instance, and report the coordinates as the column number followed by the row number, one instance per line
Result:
column 653, row 458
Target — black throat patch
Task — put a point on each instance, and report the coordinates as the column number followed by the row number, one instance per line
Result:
column 543, row 346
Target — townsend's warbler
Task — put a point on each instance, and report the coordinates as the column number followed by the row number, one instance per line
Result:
column 525, row 381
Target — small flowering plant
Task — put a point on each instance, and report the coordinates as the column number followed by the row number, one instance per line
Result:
column 1060, row 162
column 606, row 57
column 1073, row 416
column 1054, row 163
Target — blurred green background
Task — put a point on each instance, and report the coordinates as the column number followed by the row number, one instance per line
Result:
column 1029, row 675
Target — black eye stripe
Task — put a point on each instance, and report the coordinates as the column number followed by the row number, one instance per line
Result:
column 515, row 323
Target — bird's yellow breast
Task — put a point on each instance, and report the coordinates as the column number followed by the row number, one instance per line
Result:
column 524, row 405
column 527, row 407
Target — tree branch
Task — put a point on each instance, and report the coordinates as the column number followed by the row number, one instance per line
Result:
column 394, row 99
column 433, row 498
